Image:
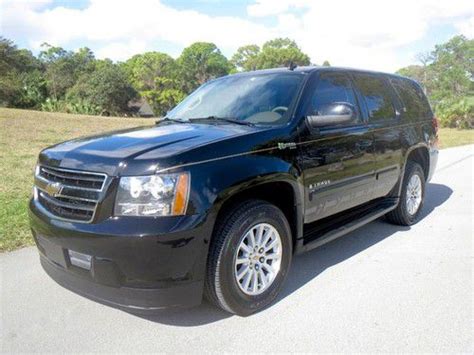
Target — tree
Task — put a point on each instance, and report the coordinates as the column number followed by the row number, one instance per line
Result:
column 447, row 73
column 143, row 69
column 155, row 76
column 63, row 68
column 416, row 72
column 199, row 63
column 163, row 100
column 16, row 88
column 33, row 91
column 106, row 87
column 59, row 69
column 453, row 67
column 326, row 63
column 281, row 52
column 84, row 61
column 246, row 57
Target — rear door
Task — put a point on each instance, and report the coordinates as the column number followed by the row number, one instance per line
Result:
column 337, row 160
column 382, row 110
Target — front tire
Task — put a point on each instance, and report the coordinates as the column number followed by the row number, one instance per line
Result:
column 249, row 258
column 412, row 196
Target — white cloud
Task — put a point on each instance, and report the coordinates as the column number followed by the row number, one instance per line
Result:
column 120, row 50
column 363, row 33
column 121, row 23
column 466, row 27
column 263, row 8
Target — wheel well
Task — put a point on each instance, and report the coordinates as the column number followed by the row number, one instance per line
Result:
column 280, row 194
column 421, row 156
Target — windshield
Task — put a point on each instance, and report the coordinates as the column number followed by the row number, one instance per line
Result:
column 257, row 99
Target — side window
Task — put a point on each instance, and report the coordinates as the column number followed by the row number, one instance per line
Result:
column 332, row 88
column 415, row 104
column 376, row 95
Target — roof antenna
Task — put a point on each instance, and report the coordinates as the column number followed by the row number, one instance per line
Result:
column 292, row 66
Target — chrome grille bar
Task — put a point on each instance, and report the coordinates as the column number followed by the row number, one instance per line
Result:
column 60, row 203
column 71, row 195
column 73, row 179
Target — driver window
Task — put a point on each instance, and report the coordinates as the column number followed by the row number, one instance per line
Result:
column 332, row 88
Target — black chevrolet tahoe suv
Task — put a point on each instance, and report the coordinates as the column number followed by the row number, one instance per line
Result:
column 217, row 197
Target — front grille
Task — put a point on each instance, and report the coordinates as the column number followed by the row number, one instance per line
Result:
column 73, row 178
column 69, row 194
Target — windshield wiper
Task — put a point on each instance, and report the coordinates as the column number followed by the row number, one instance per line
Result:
column 226, row 119
column 172, row 120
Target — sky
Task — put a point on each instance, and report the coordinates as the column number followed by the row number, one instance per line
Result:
column 369, row 34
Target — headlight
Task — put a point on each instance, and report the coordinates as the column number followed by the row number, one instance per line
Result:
column 154, row 195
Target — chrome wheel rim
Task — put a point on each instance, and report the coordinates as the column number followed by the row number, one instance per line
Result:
column 414, row 194
column 258, row 259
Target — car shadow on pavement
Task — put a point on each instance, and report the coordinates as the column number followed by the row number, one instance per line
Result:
column 307, row 266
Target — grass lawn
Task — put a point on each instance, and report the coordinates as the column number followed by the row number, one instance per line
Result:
column 24, row 133
column 452, row 137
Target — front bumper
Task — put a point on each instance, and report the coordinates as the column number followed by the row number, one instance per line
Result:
column 433, row 153
column 137, row 264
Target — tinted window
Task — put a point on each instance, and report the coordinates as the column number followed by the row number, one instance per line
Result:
column 331, row 88
column 376, row 95
column 414, row 100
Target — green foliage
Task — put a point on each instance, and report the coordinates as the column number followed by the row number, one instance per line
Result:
column 456, row 113
column 163, row 100
column 15, row 90
column 447, row 74
column 74, row 106
column 452, row 68
column 246, row 57
column 144, row 69
column 76, row 82
column 279, row 52
column 326, row 63
column 33, row 90
column 199, row 63
column 155, row 76
column 59, row 73
column 63, row 68
column 53, row 105
column 416, row 72
column 106, row 87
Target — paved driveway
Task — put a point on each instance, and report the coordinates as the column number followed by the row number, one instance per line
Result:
column 381, row 288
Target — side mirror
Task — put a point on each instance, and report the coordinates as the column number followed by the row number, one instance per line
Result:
column 332, row 114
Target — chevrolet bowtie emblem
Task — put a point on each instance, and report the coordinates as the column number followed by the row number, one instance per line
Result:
column 54, row 189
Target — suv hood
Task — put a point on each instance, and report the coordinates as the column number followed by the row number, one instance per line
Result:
column 139, row 150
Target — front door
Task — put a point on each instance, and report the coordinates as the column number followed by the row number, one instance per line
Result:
column 337, row 160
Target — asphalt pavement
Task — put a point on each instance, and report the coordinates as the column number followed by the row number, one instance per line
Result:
column 382, row 288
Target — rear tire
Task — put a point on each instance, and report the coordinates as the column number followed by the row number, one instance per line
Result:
column 249, row 258
column 412, row 196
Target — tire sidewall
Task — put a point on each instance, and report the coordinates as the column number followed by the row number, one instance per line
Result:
column 233, row 296
column 413, row 169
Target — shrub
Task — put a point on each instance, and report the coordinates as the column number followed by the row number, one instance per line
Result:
column 458, row 113
column 53, row 105
column 76, row 106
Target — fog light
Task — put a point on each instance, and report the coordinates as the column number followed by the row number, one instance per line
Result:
column 80, row 260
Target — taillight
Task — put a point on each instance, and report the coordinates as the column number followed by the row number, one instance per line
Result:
column 436, row 124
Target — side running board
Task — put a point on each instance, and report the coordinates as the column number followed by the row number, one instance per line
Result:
column 326, row 231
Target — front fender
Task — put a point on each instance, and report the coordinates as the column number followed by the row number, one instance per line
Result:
column 213, row 183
